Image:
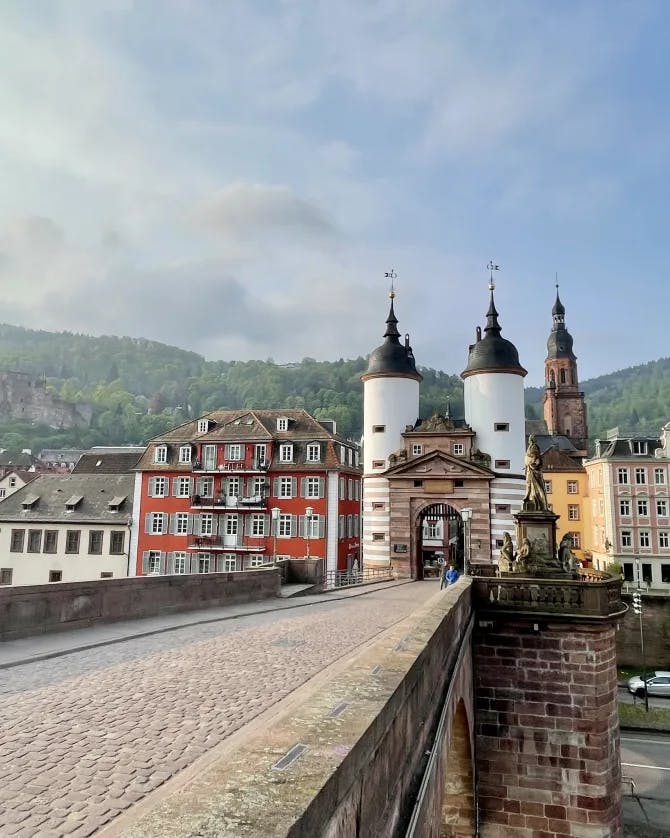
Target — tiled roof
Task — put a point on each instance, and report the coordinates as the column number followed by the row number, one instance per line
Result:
column 112, row 463
column 553, row 459
column 621, row 448
column 53, row 491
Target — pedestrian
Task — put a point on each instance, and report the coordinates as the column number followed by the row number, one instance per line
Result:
column 449, row 576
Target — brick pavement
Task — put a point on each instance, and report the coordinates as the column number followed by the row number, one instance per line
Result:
column 85, row 736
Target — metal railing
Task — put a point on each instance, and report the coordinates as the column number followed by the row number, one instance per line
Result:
column 347, row 578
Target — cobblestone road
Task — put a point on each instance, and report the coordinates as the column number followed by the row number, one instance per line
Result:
column 85, row 736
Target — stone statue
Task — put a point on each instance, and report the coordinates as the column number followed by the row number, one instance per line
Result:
column 523, row 557
column 506, row 554
column 536, row 496
column 566, row 558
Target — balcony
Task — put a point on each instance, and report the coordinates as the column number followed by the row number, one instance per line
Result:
column 254, row 502
column 230, row 544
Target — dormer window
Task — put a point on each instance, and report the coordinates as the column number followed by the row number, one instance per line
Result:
column 185, row 454
column 313, row 452
column 286, row 453
column 160, row 454
column 116, row 503
column 73, row 502
column 29, row 501
column 282, row 423
column 639, row 446
column 203, row 426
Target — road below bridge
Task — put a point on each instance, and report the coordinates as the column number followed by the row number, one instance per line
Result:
column 88, row 734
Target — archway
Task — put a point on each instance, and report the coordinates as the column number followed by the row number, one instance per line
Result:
column 438, row 539
column 458, row 798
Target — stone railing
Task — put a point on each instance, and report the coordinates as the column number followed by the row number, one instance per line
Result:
column 593, row 595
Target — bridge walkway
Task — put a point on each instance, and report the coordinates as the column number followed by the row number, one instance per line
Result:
column 97, row 719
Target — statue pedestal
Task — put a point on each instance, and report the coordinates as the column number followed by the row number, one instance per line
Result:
column 539, row 527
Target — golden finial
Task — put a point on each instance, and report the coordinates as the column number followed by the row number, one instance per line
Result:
column 491, row 267
column 391, row 275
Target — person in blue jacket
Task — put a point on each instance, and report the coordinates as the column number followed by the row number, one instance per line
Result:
column 449, row 576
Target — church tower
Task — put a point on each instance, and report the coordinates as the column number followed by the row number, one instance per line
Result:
column 564, row 406
column 495, row 410
column 390, row 404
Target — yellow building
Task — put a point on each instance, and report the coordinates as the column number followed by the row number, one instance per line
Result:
column 567, row 495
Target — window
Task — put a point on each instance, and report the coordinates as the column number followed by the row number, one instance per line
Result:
column 573, row 487
column 34, row 541
column 260, row 455
column 185, row 454
column 160, row 454
column 643, row 508
column 377, row 464
column 282, row 423
column 639, row 447
column 209, row 457
column 285, row 487
column 646, row 573
column 378, row 536
column 377, row 506
column 203, row 426
column 664, row 539
column 154, row 523
column 179, row 563
column 72, row 541
column 256, row 561
column 232, row 524
column 665, row 573
column 312, row 526
column 234, row 452
column 55, row 575
column 342, row 488
column 313, row 452
column 233, row 487
column 433, row 529
column 12, row 482
column 117, row 542
column 285, row 526
column 207, row 523
column 502, row 508
column 106, row 574
column 181, row 487
column 204, row 563
column 181, row 523
column 644, row 538
column 257, row 524
column 416, row 450
column 158, row 487
column 204, row 487
column 458, row 449
column 576, row 539
column 547, row 486
column 286, row 453
column 659, row 476
column 502, row 464
column 573, row 512
column 640, row 476
column 378, row 429
column 624, row 507
column 626, row 538
column 628, row 571
column 343, row 454
column 418, row 484
column 50, row 541
column 229, row 564
column 6, row 574
column 312, row 487
column 3, row 492
column 95, row 542
column 662, row 508
column 501, row 426
column 622, row 476
column 258, row 487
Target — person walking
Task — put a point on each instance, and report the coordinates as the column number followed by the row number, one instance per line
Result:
column 449, row 576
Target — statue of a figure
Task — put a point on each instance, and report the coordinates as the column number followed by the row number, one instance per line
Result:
column 523, row 556
column 566, row 558
column 506, row 554
column 536, row 496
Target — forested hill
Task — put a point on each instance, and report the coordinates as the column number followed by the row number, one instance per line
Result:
column 139, row 387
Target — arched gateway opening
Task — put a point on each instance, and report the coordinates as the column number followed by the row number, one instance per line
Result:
column 439, row 540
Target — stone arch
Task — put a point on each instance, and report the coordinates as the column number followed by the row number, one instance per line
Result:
column 458, row 799
column 452, row 531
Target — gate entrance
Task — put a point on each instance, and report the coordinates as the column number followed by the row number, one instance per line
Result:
column 439, row 540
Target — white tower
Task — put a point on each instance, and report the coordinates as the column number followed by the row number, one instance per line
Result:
column 390, row 403
column 494, row 408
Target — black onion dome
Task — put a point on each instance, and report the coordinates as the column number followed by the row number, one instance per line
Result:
column 559, row 308
column 392, row 357
column 559, row 343
column 493, row 352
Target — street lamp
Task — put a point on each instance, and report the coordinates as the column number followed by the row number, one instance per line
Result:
column 637, row 608
column 309, row 512
column 274, row 514
column 466, row 515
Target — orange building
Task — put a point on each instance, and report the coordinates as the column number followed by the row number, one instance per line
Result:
column 237, row 489
column 567, row 494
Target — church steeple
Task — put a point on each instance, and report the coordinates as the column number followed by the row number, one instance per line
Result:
column 564, row 407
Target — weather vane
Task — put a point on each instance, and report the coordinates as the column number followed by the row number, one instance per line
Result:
column 391, row 275
column 491, row 267
column 557, row 281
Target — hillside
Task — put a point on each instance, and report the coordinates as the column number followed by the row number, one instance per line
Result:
column 138, row 387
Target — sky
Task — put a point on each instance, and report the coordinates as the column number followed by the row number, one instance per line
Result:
column 235, row 177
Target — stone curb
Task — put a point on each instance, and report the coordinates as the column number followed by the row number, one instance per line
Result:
column 285, row 605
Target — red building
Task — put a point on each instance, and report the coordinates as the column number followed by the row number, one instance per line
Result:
column 236, row 489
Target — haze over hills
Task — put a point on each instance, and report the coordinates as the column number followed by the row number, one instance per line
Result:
column 136, row 388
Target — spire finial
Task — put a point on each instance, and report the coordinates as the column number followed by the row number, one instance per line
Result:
column 491, row 267
column 392, row 275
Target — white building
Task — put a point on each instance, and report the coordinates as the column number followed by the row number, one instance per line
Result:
column 66, row 528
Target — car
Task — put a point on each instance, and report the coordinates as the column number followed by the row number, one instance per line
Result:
column 657, row 683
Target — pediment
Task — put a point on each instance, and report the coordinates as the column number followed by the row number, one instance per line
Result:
column 440, row 465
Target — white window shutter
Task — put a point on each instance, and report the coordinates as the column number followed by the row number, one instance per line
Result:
column 294, row 487
column 322, row 526
column 151, row 487
column 162, row 563
column 165, row 524
column 147, row 522
column 302, row 532
column 194, row 563
column 321, row 487
column 189, row 527
column 275, row 487
column 169, row 564
column 145, row 562
column 173, row 523
column 303, row 487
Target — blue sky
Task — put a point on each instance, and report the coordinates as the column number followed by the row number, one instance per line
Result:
column 236, row 177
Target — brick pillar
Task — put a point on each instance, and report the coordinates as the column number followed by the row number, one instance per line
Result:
column 547, row 728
